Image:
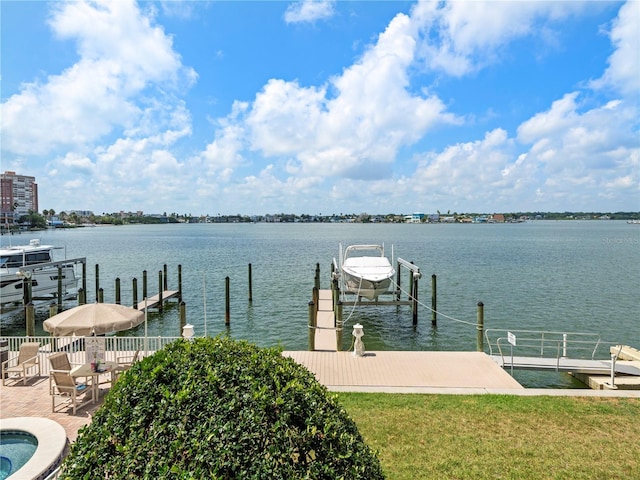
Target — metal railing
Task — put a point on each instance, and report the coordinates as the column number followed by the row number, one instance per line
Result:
column 549, row 344
column 75, row 346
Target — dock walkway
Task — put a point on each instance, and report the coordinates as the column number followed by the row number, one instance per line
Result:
column 154, row 302
column 325, row 338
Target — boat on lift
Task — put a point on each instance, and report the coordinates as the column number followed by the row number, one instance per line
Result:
column 365, row 270
column 34, row 262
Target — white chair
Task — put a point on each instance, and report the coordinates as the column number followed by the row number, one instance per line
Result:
column 26, row 359
column 126, row 362
column 65, row 386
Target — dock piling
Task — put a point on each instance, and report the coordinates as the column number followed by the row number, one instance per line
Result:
column 59, row 288
column 250, row 286
column 144, row 284
column 134, row 289
column 31, row 319
column 118, row 291
column 434, row 294
column 480, row 327
column 179, row 283
column 160, row 290
column 312, row 325
column 227, row 303
column 183, row 316
column 166, row 284
column 97, row 282
column 84, row 282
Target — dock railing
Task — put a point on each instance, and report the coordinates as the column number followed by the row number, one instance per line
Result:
column 545, row 344
column 75, row 346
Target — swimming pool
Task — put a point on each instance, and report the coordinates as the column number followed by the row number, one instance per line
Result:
column 16, row 448
column 30, row 447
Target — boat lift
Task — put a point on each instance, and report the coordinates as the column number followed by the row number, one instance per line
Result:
column 26, row 272
column 341, row 293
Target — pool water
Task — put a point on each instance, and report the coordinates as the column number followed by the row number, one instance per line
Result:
column 16, row 448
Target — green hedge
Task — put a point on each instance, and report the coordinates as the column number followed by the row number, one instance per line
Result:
column 219, row 408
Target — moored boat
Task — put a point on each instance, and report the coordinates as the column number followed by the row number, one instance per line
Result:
column 34, row 262
column 366, row 271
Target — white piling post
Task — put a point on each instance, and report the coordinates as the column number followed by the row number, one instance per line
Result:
column 613, row 371
column 564, row 345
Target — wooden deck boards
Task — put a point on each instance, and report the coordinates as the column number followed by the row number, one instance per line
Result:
column 152, row 302
column 469, row 370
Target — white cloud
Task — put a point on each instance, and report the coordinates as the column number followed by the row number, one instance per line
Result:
column 357, row 132
column 462, row 37
column 309, row 11
column 122, row 56
column 623, row 73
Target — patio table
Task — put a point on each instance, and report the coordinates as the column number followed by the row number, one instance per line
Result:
column 85, row 370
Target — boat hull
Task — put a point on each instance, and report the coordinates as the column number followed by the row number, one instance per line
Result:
column 367, row 276
column 44, row 284
column 366, row 288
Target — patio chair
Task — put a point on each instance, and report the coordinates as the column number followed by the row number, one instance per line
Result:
column 126, row 362
column 26, row 359
column 65, row 386
column 59, row 361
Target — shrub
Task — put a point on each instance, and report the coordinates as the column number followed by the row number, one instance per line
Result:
column 219, row 408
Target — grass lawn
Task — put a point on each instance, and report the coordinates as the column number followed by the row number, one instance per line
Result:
column 499, row 436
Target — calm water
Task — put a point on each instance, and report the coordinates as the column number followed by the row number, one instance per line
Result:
column 564, row 276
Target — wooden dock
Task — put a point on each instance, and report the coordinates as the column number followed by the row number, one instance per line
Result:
column 325, row 337
column 406, row 371
column 154, row 302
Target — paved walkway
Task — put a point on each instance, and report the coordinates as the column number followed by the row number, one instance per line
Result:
column 393, row 372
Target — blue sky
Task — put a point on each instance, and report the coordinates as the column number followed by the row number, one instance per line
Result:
column 323, row 107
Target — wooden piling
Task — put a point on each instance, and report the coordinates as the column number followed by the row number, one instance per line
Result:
column 134, row 289
column 30, row 314
column 59, row 288
column 480, row 327
column 411, row 283
column 101, row 295
column 180, row 284
column 339, row 325
column 160, row 290
column 84, row 282
column 317, row 277
column 414, row 297
column 183, row 316
column 434, row 308
column 227, row 303
column 53, row 309
column 117, row 290
column 250, row 286
column 82, row 299
column 312, row 325
column 166, row 281
column 97, row 282
column 144, row 284
column 398, row 278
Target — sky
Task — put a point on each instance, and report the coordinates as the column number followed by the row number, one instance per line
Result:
column 323, row 107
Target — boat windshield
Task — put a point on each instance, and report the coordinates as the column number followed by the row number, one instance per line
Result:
column 19, row 260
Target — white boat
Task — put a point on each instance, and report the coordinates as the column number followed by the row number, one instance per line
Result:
column 366, row 271
column 40, row 267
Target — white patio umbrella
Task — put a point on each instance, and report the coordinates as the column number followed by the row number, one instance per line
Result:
column 93, row 319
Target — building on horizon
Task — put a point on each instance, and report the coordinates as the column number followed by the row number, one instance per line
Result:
column 18, row 197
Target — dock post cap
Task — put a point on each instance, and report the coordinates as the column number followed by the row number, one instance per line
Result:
column 358, row 346
column 187, row 331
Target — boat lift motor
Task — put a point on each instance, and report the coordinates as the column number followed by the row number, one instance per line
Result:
column 358, row 347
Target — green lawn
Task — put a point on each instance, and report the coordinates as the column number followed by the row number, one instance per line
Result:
column 499, row 436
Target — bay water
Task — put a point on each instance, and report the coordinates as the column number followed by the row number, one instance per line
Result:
column 573, row 276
